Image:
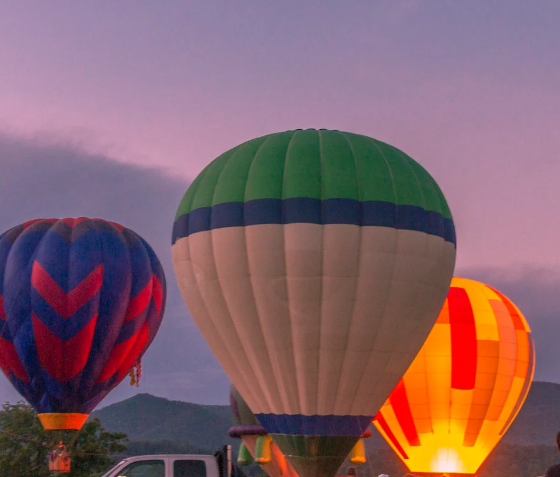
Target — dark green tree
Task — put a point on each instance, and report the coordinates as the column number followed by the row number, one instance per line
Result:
column 25, row 446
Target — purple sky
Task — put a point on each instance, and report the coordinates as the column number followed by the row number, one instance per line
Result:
column 469, row 89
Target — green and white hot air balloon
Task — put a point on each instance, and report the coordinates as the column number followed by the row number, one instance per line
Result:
column 315, row 264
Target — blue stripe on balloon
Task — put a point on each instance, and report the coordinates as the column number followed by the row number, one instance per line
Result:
column 300, row 425
column 299, row 210
column 449, row 231
column 314, row 211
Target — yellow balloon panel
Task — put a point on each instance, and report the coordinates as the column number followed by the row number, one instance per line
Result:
column 466, row 385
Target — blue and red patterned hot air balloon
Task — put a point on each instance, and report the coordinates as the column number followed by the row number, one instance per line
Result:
column 81, row 300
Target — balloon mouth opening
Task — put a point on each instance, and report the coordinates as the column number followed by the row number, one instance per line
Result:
column 443, row 474
column 55, row 421
column 246, row 430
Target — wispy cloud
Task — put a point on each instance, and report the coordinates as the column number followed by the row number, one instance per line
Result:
column 52, row 179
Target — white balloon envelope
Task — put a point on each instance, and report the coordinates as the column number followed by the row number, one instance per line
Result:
column 315, row 264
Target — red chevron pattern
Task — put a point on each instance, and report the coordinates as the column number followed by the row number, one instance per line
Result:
column 9, row 361
column 29, row 223
column 66, row 304
column 139, row 303
column 63, row 359
column 119, row 227
column 128, row 350
column 138, row 346
column 73, row 222
column 117, row 357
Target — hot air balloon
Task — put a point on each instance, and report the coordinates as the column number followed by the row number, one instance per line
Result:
column 466, row 385
column 315, row 264
column 80, row 302
column 256, row 444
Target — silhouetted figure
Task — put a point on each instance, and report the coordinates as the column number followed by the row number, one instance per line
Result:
column 554, row 471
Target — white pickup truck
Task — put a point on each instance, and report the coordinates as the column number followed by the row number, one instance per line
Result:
column 180, row 465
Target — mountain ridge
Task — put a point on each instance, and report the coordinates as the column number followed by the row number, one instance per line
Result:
column 145, row 417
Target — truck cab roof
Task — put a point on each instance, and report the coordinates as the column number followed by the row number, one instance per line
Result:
column 166, row 465
column 177, row 465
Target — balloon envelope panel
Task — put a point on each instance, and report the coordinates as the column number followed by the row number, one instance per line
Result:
column 80, row 301
column 242, row 415
column 466, row 385
column 314, row 264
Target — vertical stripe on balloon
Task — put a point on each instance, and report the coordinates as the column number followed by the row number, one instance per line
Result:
column 389, row 433
column 400, row 404
column 517, row 321
column 526, row 384
column 463, row 340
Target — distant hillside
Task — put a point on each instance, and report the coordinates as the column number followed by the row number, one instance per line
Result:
column 149, row 418
column 539, row 418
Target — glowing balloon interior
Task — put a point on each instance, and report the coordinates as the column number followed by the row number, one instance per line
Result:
column 80, row 302
column 315, row 264
column 466, row 385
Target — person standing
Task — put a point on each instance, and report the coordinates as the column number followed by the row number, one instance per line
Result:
column 554, row 471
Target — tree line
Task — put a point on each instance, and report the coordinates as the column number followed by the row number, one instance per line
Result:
column 25, row 448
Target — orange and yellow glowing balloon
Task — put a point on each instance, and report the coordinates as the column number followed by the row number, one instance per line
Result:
column 466, row 385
